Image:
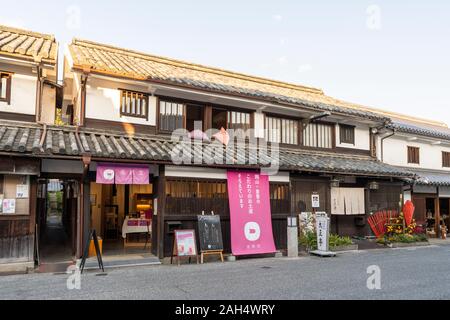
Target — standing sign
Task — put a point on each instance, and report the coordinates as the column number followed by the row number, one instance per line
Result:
column 322, row 224
column 184, row 244
column 250, row 216
column 315, row 200
column 323, row 232
column 210, row 236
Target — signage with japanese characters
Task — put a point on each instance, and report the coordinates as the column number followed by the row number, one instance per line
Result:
column 315, row 200
column 250, row 215
column 322, row 228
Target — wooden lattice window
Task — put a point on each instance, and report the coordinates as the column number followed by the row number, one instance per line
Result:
column 134, row 104
column 347, row 134
column 446, row 159
column 5, row 87
column 280, row 130
column 318, row 135
column 414, row 155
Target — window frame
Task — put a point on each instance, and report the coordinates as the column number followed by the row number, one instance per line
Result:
column 8, row 76
column 412, row 153
column 445, row 159
column 281, row 118
column 333, row 136
column 158, row 115
column 134, row 115
column 342, row 135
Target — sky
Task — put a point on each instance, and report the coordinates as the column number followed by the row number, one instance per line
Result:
column 393, row 55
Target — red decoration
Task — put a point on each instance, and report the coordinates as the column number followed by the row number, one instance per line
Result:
column 408, row 212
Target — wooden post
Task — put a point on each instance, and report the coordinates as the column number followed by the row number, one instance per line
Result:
column 161, row 211
column 437, row 215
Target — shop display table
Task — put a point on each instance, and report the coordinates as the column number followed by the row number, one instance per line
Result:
column 136, row 225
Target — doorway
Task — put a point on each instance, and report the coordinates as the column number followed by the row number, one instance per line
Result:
column 56, row 221
column 122, row 216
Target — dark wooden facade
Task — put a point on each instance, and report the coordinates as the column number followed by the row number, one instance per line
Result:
column 17, row 231
column 185, row 198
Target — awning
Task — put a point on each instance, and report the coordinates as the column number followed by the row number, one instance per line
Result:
column 122, row 174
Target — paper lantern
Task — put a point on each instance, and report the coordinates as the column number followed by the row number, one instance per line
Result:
column 408, row 212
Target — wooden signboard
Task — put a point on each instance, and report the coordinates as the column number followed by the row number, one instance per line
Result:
column 210, row 236
column 184, row 245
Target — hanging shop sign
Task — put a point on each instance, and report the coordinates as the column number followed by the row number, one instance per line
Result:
column 250, row 215
column 122, row 174
column 315, row 200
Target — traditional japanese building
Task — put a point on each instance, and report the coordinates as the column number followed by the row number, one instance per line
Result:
column 112, row 152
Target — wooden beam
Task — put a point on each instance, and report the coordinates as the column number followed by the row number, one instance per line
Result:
column 161, row 189
column 437, row 215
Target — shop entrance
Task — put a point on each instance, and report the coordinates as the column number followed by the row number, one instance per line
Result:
column 122, row 215
column 57, row 206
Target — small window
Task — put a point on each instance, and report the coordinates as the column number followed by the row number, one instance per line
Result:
column 446, row 159
column 318, row 135
column 238, row 120
column 134, row 104
column 171, row 116
column 5, row 87
column 413, row 155
column 281, row 130
column 347, row 134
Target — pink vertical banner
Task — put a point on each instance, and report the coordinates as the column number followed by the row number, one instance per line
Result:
column 250, row 215
column 124, row 175
column 105, row 174
column 141, row 175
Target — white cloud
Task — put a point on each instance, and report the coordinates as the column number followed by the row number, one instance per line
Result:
column 282, row 60
column 277, row 17
column 305, row 68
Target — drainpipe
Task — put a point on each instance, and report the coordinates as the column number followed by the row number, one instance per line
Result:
column 39, row 87
column 382, row 143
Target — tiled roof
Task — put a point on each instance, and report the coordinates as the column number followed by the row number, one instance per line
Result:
column 29, row 139
column 439, row 132
column 431, row 177
column 27, row 45
column 108, row 60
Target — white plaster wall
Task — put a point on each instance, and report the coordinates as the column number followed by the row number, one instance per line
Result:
column 23, row 95
column 396, row 153
column 362, row 138
column 103, row 103
column 48, row 113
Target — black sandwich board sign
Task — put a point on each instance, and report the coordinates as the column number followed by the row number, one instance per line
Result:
column 210, row 236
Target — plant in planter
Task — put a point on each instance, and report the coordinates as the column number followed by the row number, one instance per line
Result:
column 308, row 240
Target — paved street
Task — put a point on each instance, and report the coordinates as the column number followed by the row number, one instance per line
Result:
column 413, row 273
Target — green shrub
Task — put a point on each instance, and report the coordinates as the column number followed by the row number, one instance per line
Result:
column 309, row 240
column 403, row 238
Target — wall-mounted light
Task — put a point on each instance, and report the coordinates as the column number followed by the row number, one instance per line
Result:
column 334, row 183
column 373, row 185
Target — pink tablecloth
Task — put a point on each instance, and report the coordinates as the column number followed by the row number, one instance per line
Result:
column 131, row 225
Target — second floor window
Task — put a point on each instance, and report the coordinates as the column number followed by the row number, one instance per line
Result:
column 281, row 130
column 238, row 120
column 446, row 159
column 134, row 104
column 318, row 135
column 171, row 115
column 5, row 87
column 413, row 155
column 347, row 134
